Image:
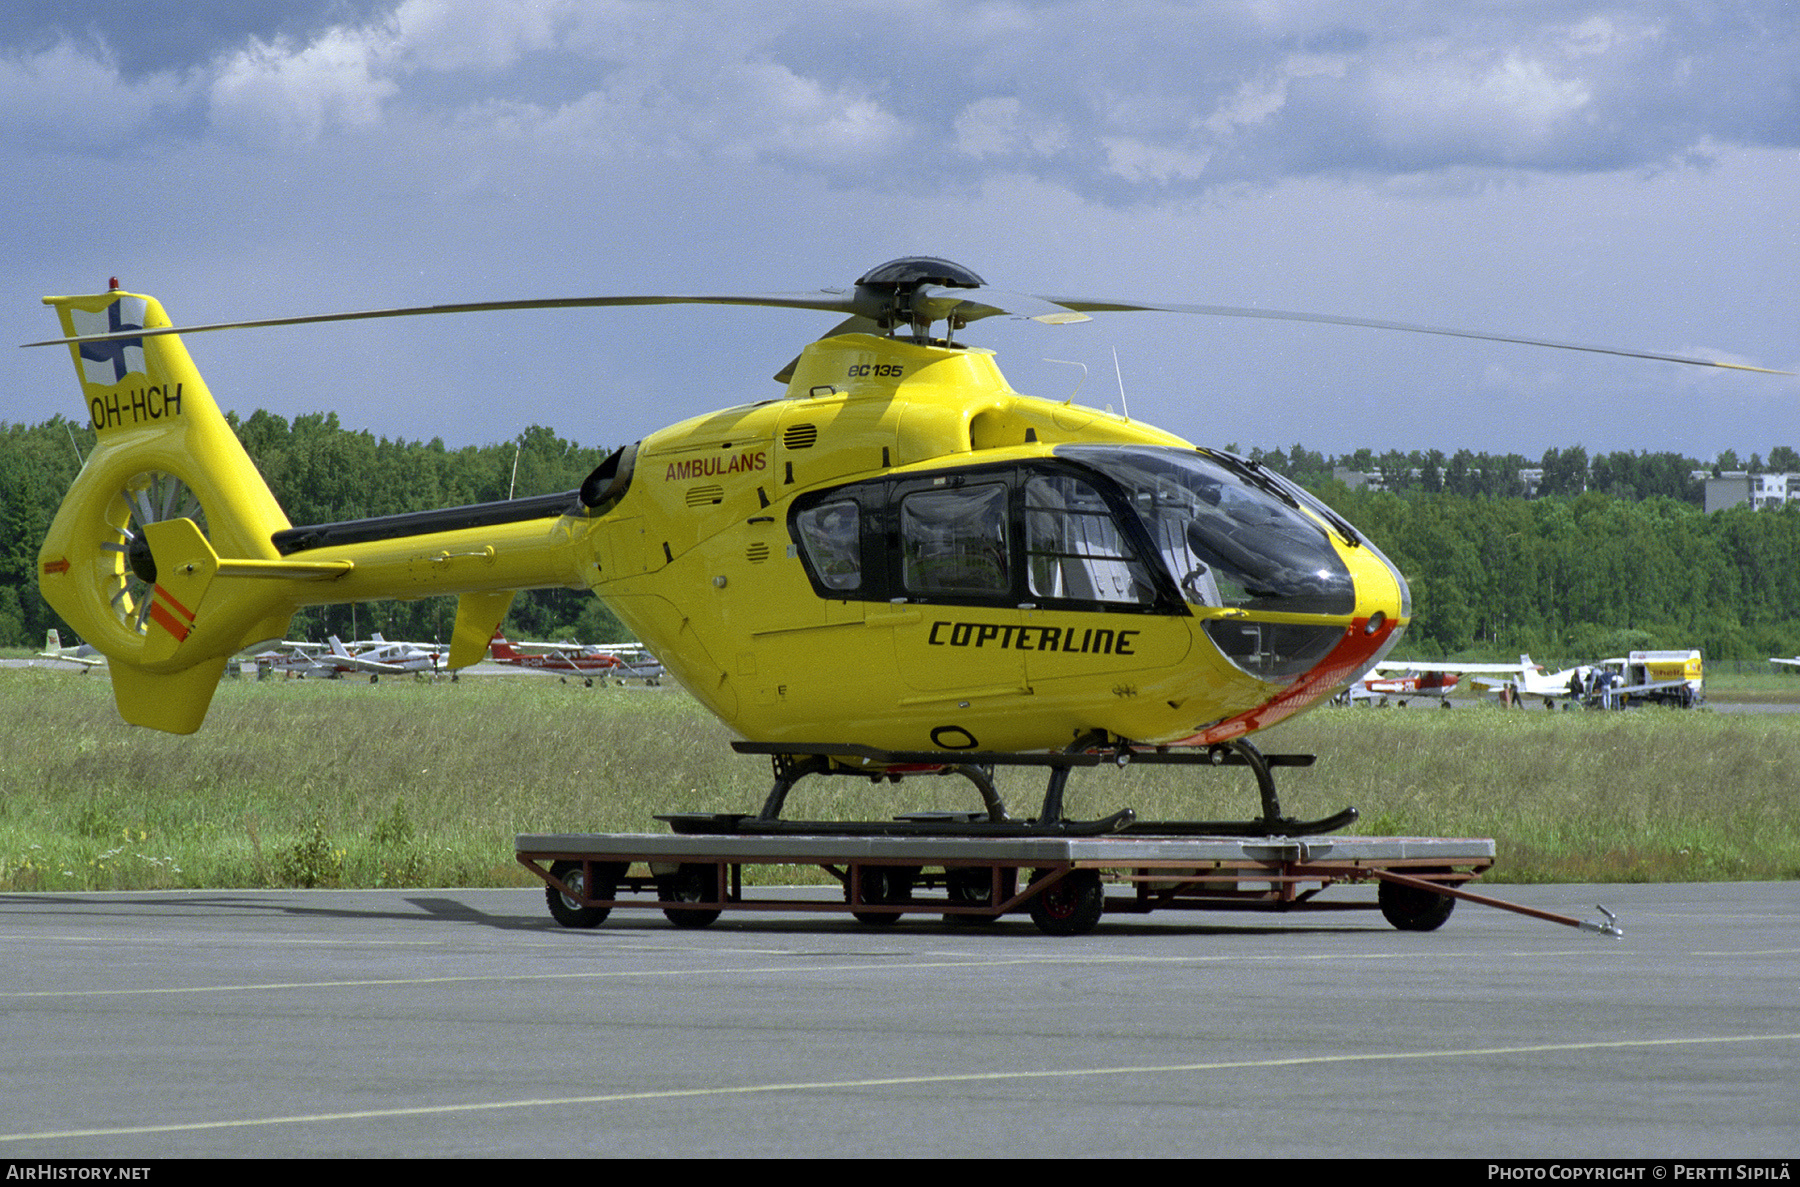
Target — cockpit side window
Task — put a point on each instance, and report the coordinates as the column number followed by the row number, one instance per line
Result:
column 954, row 541
column 1226, row 537
column 831, row 534
column 1073, row 548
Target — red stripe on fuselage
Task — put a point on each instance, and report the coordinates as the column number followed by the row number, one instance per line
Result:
column 1353, row 654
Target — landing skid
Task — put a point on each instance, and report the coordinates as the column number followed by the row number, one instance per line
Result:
column 793, row 762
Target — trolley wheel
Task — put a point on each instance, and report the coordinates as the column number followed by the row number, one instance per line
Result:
column 1411, row 909
column 1071, row 907
column 883, row 886
column 974, row 888
column 569, row 911
column 689, row 884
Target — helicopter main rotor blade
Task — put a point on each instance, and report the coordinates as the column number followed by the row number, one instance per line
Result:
column 825, row 300
column 1080, row 303
column 942, row 302
column 937, row 302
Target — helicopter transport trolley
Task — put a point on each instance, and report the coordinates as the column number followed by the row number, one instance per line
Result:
column 974, row 867
column 1060, row 881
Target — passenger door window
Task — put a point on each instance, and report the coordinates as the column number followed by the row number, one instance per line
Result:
column 1073, row 547
column 953, row 542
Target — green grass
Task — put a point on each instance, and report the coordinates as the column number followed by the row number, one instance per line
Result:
column 344, row 783
column 1782, row 687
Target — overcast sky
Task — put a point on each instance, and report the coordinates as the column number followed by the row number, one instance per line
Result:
column 1623, row 174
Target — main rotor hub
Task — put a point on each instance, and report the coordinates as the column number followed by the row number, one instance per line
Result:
column 893, row 284
column 910, row 272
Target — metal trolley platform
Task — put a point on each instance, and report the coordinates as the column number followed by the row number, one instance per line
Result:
column 1065, row 884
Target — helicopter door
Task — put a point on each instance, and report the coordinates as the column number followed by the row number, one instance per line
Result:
column 954, row 587
column 1092, row 605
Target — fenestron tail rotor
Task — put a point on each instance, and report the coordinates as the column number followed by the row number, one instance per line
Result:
column 151, row 497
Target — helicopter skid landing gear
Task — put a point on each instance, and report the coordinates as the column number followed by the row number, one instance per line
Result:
column 794, row 762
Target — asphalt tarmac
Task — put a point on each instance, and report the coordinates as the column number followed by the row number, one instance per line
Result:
column 139, row 1026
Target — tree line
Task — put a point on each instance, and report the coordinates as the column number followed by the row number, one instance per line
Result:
column 1615, row 554
column 1624, row 475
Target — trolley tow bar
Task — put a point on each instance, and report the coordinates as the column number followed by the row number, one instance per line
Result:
column 1609, row 928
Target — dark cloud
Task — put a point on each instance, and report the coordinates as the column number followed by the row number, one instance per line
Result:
column 1537, row 168
column 146, row 36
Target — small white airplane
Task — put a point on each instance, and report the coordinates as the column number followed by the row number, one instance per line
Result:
column 1792, row 663
column 1400, row 683
column 81, row 654
column 1528, row 678
column 293, row 658
column 378, row 657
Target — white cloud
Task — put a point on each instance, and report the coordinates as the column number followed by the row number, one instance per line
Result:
column 1259, row 99
column 1507, row 105
column 1001, row 126
column 69, row 95
column 276, row 91
column 770, row 108
column 453, row 35
column 1140, row 161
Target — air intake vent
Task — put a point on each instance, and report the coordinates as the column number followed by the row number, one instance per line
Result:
column 756, row 554
column 705, row 496
column 800, row 436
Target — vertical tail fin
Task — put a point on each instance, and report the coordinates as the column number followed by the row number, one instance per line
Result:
column 132, row 560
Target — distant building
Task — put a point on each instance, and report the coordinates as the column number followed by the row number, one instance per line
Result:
column 1761, row 491
column 1530, row 479
column 1358, row 479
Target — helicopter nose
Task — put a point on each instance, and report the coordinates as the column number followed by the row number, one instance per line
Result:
column 1383, row 609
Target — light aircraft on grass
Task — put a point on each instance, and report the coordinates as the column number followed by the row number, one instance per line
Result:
column 902, row 565
column 1403, row 679
column 1383, row 683
column 292, row 658
column 1528, row 678
column 81, row 653
column 619, row 661
column 378, row 657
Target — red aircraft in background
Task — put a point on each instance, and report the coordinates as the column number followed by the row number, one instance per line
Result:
column 1403, row 678
column 618, row 660
column 1380, row 684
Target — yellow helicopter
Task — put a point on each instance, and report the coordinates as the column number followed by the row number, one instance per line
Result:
column 900, row 565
